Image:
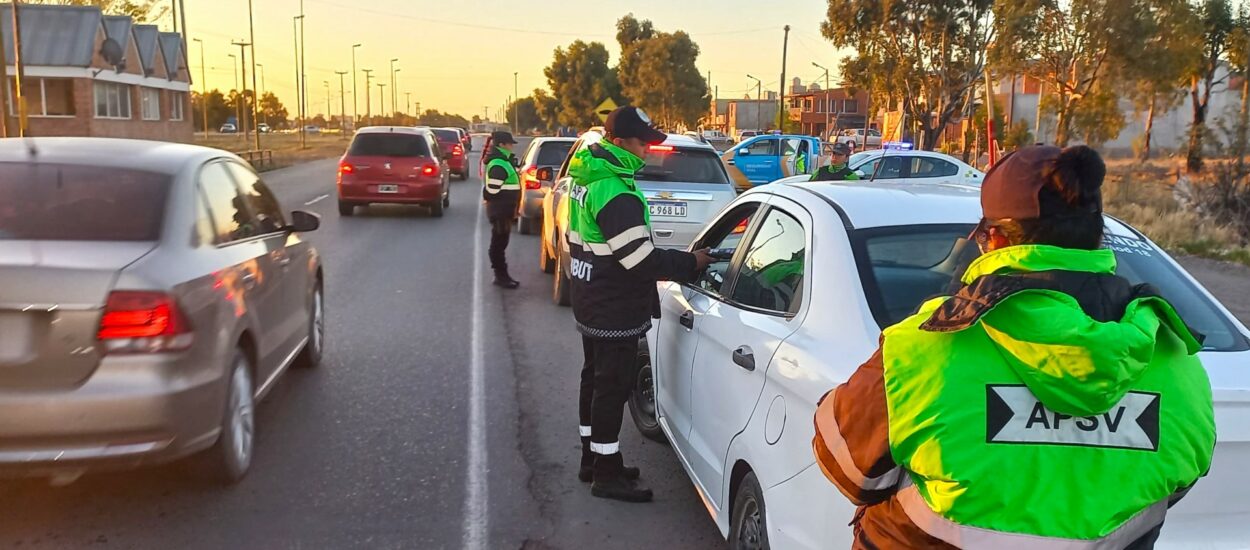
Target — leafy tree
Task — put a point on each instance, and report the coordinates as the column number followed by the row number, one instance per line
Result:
column 1155, row 82
column 927, row 54
column 526, row 111
column 658, row 72
column 1216, row 24
column 1077, row 48
column 548, row 108
column 218, row 109
column 580, row 79
column 271, row 109
column 432, row 117
column 140, row 10
column 1239, row 59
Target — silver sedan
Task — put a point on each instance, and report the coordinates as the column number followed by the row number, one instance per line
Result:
column 150, row 293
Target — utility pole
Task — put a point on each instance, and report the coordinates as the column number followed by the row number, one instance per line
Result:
column 203, row 90
column 238, row 108
column 828, row 111
column 299, row 99
column 343, row 104
column 355, row 101
column 382, row 98
column 395, row 90
column 303, row 73
column 368, row 75
column 251, row 44
column 182, row 13
column 781, row 106
column 393, row 70
column 20, row 99
column 261, row 69
column 5, row 124
column 243, row 95
column 408, row 108
column 516, row 106
column 759, row 105
column 329, row 116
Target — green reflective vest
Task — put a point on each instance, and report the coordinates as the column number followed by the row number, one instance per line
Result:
column 502, row 158
column 1037, row 419
column 598, row 177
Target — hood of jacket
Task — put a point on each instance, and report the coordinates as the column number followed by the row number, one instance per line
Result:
column 601, row 161
column 1071, row 362
column 499, row 153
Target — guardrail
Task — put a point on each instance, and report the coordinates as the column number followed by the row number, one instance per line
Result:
column 259, row 159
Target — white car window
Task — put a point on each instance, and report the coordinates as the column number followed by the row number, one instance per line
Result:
column 771, row 275
column 891, row 169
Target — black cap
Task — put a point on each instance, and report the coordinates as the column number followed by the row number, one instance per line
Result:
column 502, row 137
column 1044, row 181
column 840, row 149
column 632, row 122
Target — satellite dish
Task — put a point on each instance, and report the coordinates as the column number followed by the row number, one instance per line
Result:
column 113, row 54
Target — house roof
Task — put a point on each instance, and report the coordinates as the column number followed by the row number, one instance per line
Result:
column 53, row 35
column 146, row 37
column 117, row 27
column 171, row 48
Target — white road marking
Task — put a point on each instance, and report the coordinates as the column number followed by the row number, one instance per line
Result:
column 317, row 200
column 476, row 532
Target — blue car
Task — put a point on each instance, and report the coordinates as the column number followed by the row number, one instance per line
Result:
column 767, row 158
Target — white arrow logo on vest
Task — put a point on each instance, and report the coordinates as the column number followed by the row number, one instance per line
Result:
column 1014, row 415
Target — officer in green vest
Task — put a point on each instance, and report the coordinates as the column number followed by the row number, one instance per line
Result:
column 836, row 170
column 1046, row 404
column 613, row 271
column 502, row 194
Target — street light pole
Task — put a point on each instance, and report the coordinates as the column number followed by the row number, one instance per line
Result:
column 343, row 104
column 303, row 73
column 785, row 45
column 828, row 96
column 395, row 90
column 408, row 107
column 516, row 103
column 328, row 115
column 203, row 90
column 299, row 100
column 382, row 98
column 368, row 75
column 238, row 112
column 251, row 44
column 393, row 60
column 261, row 68
column 243, row 95
column 758, row 105
column 355, row 109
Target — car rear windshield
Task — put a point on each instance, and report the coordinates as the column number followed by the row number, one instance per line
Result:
column 683, row 165
column 447, row 135
column 389, row 145
column 901, row 267
column 57, row 202
column 553, row 153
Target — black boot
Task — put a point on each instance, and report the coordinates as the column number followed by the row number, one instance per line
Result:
column 503, row 280
column 610, row 481
column 586, row 473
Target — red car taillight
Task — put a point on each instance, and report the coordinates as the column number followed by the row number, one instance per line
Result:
column 530, row 176
column 429, row 170
column 457, row 151
column 143, row 322
column 346, row 168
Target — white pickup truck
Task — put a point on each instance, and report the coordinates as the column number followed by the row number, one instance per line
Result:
column 854, row 138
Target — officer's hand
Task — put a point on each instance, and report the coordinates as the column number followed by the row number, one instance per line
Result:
column 702, row 259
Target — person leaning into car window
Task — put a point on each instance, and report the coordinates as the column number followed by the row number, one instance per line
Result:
column 1048, row 403
column 837, row 169
column 502, row 194
column 613, row 270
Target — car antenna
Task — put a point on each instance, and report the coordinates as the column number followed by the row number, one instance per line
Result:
column 886, row 147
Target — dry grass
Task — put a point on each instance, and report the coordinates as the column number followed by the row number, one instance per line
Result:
column 1143, row 194
column 286, row 147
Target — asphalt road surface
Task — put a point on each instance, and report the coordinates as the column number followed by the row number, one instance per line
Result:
column 376, row 449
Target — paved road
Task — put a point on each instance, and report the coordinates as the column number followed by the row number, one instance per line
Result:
column 374, row 449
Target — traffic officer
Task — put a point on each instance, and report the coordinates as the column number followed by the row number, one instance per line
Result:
column 613, row 273
column 836, row 170
column 503, row 196
column 1048, row 403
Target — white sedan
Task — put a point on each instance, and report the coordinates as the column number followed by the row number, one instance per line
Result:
column 892, row 165
column 739, row 359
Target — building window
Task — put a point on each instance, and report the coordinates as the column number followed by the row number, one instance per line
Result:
column 176, row 102
column 850, row 106
column 150, row 103
column 112, row 100
column 45, row 97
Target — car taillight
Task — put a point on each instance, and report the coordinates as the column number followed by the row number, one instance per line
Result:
column 143, row 322
column 429, row 170
column 457, row 150
column 662, row 148
column 531, row 178
column 346, row 167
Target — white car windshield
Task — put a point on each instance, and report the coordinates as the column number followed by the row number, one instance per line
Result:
column 903, row 266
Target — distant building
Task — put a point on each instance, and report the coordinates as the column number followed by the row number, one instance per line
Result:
column 71, row 90
column 820, row 111
column 749, row 114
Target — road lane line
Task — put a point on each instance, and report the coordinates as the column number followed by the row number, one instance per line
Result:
column 317, row 200
column 476, row 534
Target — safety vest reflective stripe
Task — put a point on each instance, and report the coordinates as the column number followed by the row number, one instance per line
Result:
column 964, row 536
column 636, row 257
column 599, row 249
column 494, row 186
column 628, row 236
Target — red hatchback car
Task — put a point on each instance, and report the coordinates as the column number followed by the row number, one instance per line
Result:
column 396, row 165
column 457, row 161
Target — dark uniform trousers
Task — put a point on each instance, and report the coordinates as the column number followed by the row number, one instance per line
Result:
column 500, row 234
column 607, row 378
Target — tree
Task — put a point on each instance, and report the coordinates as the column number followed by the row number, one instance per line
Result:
column 580, row 79
column 1155, row 81
column 140, row 10
column 218, row 109
column 526, row 111
column 927, row 54
column 432, row 117
column 1078, row 49
column 1239, row 60
column 658, row 73
column 1216, row 24
column 548, row 108
column 271, row 109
